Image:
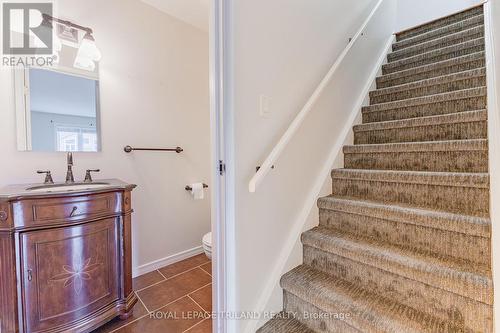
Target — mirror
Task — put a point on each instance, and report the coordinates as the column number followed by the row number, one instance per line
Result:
column 57, row 111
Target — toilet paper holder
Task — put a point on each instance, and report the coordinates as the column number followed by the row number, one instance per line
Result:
column 189, row 188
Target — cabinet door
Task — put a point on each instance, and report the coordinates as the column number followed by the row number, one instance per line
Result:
column 68, row 273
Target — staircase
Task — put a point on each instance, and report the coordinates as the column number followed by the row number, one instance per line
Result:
column 403, row 243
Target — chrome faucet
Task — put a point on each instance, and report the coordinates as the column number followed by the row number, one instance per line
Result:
column 69, row 175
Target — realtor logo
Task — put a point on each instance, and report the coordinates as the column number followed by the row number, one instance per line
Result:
column 25, row 20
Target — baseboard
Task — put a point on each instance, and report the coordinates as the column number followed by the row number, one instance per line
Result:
column 172, row 259
column 297, row 227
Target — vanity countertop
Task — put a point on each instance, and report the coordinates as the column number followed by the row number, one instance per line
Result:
column 25, row 191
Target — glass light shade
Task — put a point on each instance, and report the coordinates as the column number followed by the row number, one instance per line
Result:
column 85, row 63
column 88, row 48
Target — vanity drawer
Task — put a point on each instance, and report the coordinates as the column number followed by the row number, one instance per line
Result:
column 44, row 211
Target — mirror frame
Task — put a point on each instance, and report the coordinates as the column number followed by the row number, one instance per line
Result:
column 23, row 109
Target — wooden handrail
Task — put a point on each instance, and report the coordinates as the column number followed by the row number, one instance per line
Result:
column 294, row 126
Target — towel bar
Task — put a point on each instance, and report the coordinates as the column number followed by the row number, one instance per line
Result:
column 129, row 149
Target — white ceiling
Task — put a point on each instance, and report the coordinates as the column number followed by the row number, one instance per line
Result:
column 194, row 12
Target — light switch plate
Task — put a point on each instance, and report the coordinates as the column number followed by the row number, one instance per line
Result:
column 265, row 106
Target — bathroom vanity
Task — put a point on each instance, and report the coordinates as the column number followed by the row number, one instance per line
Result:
column 65, row 256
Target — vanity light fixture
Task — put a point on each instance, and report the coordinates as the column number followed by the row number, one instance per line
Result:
column 68, row 33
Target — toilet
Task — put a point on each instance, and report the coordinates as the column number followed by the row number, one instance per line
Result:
column 207, row 245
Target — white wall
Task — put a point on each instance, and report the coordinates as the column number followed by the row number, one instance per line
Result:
column 415, row 12
column 194, row 12
column 285, row 56
column 154, row 93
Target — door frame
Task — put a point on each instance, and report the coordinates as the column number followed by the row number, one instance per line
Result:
column 223, row 194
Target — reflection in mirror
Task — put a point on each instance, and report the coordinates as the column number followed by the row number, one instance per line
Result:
column 61, row 112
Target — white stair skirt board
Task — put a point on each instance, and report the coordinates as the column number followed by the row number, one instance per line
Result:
column 494, row 147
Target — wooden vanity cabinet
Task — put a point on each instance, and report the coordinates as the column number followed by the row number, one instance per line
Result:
column 65, row 260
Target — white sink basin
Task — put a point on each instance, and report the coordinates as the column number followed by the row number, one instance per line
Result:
column 67, row 188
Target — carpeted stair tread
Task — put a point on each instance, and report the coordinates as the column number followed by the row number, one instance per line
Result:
column 368, row 312
column 459, row 193
column 468, row 225
column 442, row 84
column 421, row 231
column 473, row 283
column 444, row 156
column 445, row 103
column 448, row 30
column 438, row 43
column 445, row 53
column 284, row 323
column 440, row 68
column 453, row 126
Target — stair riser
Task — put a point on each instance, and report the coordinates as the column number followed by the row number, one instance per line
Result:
column 456, row 131
column 425, row 110
column 454, row 199
column 429, row 59
column 394, row 80
column 440, row 28
column 478, row 32
column 443, row 161
column 418, row 238
column 473, row 82
column 314, row 318
column 458, row 310
column 284, row 323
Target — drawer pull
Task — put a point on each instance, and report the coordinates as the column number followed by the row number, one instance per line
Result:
column 73, row 211
column 30, row 275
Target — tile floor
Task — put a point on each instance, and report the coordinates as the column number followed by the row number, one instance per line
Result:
column 173, row 299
